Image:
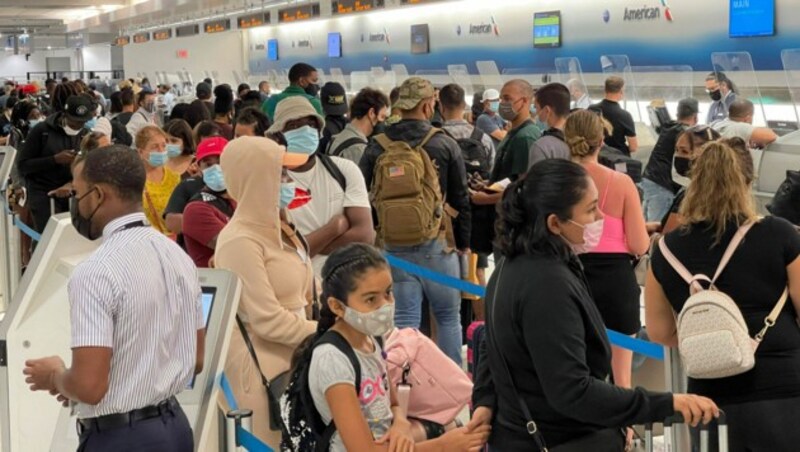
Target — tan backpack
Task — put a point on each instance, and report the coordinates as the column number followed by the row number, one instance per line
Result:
column 406, row 194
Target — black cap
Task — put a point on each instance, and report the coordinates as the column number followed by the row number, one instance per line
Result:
column 203, row 90
column 334, row 99
column 80, row 108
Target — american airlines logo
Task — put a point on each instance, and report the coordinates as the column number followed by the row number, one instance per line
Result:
column 648, row 13
column 379, row 37
column 481, row 28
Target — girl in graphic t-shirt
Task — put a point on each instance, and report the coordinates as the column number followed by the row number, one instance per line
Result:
column 358, row 304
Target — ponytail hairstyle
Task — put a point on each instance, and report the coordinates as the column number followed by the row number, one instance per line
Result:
column 340, row 277
column 719, row 193
column 552, row 186
column 584, row 133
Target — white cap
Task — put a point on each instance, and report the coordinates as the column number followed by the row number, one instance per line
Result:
column 103, row 126
column 490, row 94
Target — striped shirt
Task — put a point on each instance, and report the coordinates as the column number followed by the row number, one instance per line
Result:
column 138, row 294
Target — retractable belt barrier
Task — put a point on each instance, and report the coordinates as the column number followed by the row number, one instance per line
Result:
column 252, row 444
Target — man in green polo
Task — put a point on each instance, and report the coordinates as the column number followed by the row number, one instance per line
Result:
column 303, row 79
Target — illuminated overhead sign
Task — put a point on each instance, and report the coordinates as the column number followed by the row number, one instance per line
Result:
column 417, row 2
column 355, row 6
column 140, row 38
column 298, row 13
column 122, row 41
column 217, row 26
column 187, row 30
column 162, row 35
column 253, row 20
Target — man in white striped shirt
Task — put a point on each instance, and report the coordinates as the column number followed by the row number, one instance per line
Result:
column 136, row 318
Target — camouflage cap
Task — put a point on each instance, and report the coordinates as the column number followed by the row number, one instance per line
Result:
column 412, row 92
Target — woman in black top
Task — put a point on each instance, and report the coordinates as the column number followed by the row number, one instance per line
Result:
column 541, row 317
column 762, row 405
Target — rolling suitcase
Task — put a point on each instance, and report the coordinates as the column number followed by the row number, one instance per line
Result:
column 704, row 436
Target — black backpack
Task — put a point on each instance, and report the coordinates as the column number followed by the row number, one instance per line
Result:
column 786, row 202
column 476, row 157
column 337, row 152
column 304, row 430
column 616, row 160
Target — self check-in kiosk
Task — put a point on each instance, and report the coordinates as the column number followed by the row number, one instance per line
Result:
column 37, row 325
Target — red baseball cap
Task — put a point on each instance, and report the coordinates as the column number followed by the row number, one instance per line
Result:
column 211, row 146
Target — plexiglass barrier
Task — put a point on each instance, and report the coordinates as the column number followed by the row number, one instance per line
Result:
column 737, row 67
column 569, row 73
column 620, row 66
column 669, row 84
column 460, row 75
column 490, row 75
column 791, row 68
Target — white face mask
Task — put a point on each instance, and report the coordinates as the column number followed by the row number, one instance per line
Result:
column 70, row 131
column 375, row 323
column 592, row 233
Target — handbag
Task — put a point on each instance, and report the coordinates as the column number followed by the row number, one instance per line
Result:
column 599, row 441
column 642, row 265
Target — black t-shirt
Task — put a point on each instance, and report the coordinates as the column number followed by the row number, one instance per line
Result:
column 124, row 118
column 754, row 278
column 621, row 120
column 659, row 167
column 182, row 194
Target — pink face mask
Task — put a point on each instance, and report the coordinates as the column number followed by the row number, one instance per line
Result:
column 592, row 233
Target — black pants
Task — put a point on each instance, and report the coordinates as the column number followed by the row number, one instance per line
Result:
column 39, row 204
column 763, row 426
column 169, row 432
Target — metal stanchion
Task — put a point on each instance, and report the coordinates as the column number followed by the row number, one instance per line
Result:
column 233, row 420
column 677, row 436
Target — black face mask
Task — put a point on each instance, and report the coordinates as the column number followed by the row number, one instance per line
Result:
column 683, row 165
column 378, row 129
column 715, row 95
column 82, row 225
column 312, row 89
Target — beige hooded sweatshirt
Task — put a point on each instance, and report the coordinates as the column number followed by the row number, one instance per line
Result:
column 276, row 276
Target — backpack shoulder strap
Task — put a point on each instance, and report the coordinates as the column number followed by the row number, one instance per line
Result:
column 680, row 269
column 383, row 141
column 333, row 169
column 735, row 241
column 428, row 136
column 337, row 340
column 346, row 144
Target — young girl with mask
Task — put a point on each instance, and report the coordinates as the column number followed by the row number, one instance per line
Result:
column 546, row 344
column 151, row 143
column 611, row 242
column 358, row 305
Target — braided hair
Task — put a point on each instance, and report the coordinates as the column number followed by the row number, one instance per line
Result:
column 61, row 93
column 340, row 277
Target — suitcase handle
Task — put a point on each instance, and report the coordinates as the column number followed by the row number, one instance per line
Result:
column 722, row 424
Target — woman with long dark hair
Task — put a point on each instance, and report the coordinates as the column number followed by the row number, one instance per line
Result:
column 546, row 357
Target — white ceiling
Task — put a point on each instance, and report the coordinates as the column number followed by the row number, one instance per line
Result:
column 50, row 16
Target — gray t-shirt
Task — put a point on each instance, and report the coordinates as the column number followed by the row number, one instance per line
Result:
column 489, row 123
column 354, row 151
column 548, row 147
column 730, row 129
column 330, row 367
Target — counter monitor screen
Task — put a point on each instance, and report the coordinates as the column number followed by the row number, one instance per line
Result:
column 272, row 50
column 547, row 29
column 335, row 45
column 207, row 300
column 420, row 39
column 750, row 18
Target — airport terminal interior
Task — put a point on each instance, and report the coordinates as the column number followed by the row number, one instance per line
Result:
column 510, row 225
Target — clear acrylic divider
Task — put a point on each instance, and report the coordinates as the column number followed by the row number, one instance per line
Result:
column 620, row 66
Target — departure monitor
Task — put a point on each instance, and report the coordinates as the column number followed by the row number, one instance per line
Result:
column 547, row 30
column 272, row 50
column 420, row 39
column 335, row 45
column 750, row 18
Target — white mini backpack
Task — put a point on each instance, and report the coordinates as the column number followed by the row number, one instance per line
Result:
column 713, row 340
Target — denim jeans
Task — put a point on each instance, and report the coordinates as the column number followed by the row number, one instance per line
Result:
column 445, row 302
column 657, row 200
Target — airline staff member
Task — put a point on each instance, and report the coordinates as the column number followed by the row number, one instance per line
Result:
column 137, row 330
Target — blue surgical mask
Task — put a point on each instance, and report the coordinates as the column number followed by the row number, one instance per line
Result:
column 287, row 193
column 157, row 159
column 494, row 105
column 533, row 110
column 90, row 124
column 213, row 178
column 32, row 123
column 303, row 140
column 173, row 150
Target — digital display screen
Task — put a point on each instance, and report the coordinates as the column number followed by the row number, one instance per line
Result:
column 355, row 6
column 122, row 41
column 217, row 26
column 420, row 39
column 272, row 50
column 187, row 30
column 141, row 37
column 298, row 13
column 253, row 20
column 417, row 2
column 335, row 45
column 752, row 18
column 547, row 29
column 162, row 35
column 207, row 302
